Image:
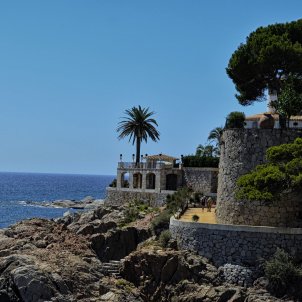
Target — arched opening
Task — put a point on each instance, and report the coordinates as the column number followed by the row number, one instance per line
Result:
column 171, row 182
column 137, row 180
column 150, row 181
column 125, row 180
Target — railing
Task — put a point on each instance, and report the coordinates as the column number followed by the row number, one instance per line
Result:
column 147, row 165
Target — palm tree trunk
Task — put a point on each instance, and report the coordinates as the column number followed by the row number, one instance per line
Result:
column 138, row 150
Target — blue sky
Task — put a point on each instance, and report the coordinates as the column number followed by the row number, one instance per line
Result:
column 69, row 69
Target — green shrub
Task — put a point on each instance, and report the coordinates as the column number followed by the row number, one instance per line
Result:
column 164, row 238
column 195, row 218
column 161, row 222
column 282, row 273
column 131, row 214
column 178, row 200
column 235, row 119
column 135, row 209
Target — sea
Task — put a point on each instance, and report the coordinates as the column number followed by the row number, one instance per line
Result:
column 17, row 189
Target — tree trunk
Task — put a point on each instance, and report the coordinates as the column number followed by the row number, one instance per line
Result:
column 138, row 150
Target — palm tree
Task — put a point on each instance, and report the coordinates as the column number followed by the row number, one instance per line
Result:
column 215, row 137
column 206, row 151
column 138, row 125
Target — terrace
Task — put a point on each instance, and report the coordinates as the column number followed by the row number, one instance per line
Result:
column 155, row 173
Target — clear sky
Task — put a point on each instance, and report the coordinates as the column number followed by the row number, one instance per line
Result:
column 69, row 69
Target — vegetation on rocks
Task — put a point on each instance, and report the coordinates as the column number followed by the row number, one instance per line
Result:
column 281, row 174
column 161, row 222
column 164, row 238
column 135, row 210
column 283, row 274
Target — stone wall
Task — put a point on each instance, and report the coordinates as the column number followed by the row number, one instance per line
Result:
column 241, row 151
column 282, row 213
column 203, row 180
column 243, row 245
column 121, row 196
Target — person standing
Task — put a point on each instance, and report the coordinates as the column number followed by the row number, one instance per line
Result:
column 209, row 203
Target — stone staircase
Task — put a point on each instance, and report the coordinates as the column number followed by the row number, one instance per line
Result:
column 112, row 268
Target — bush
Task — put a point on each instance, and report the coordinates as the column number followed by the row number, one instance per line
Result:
column 161, row 222
column 195, row 218
column 131, row 214
column 283, row 275
column 178, row 200
column 235, row 119
column 135, row 210
column 164, row 238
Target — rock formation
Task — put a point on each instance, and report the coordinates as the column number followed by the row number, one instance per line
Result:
column 62, row 261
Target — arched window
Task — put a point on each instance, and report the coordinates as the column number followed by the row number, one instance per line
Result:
column 125, row 180
column 137, row 180
column 150, row 181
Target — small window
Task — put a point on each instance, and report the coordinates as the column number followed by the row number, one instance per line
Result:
column 296, row 124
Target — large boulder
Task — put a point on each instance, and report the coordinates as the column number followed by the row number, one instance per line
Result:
column 63, row 268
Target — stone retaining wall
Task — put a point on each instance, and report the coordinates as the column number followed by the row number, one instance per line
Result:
column 243, row 245
column 241, row 151
column 203, row 180
column 121, row 196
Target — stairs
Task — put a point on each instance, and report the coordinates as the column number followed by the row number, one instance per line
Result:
column 112, row 268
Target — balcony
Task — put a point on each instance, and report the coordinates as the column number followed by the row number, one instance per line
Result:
column 142, row 166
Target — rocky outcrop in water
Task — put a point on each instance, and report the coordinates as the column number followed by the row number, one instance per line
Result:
column 86, row 203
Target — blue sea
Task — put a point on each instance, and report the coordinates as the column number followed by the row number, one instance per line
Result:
column 18, row 188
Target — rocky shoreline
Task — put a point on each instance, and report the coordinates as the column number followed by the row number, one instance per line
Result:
column 86, row 203
column 67, row 259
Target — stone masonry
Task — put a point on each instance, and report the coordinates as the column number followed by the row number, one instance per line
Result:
column 120, row 196
column 202, row 180
column 241, row 151
column 242, row 245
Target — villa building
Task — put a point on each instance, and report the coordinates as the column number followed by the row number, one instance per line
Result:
column 254, row 121
column 156, row 176
column 157, row 173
